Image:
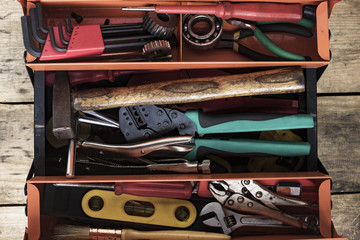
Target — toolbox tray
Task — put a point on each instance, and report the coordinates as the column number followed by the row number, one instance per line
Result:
column 49, row 161
column 41, row 224
column 184, row 57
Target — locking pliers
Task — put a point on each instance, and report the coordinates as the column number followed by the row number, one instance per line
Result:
column 250, row 196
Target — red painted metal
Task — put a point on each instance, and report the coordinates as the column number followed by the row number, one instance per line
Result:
column 182, row 190
column 248, row 11
column 85, row 41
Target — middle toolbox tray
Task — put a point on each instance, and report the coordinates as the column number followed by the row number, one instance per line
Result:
column 51, row 154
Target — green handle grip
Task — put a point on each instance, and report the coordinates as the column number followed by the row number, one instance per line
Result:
column 303, row 22
column 253, row 146
column 272, row 47
column 231, row 123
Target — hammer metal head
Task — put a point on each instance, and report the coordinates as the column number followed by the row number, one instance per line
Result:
column 63, row 118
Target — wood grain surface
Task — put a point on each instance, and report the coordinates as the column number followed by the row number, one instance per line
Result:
column 277, row 81
column 17, row 151
column 14, row 81
column 338, row 120
column 343, row 72
column 12, row 223
column 346, row 215
column 338, row 139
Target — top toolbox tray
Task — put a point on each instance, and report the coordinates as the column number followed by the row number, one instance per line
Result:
column 183, row 56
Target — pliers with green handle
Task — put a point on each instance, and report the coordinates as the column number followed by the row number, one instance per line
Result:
column 270, row 45
column 143, row 123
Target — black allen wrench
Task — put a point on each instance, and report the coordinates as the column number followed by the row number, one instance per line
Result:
column 110, row 39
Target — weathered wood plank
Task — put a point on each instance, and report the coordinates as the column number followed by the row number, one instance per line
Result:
column 16, row 151
column 12, row 223
column 343, row 71
column 346, row 215
column 14, row 81
column 338, row 139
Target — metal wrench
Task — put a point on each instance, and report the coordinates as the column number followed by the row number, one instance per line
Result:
column 229, row 220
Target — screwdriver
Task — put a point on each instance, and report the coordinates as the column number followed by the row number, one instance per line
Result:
column 181, row 190
column 267, row 12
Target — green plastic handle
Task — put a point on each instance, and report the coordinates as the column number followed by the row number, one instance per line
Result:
column 272, row 47
column 303, row 22
column 232, row 123
column 241, row 146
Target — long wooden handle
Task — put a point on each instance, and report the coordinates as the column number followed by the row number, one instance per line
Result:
column 277, row 81
column 129, row 234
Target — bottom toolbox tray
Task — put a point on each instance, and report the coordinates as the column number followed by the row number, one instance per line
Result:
column 96, row 207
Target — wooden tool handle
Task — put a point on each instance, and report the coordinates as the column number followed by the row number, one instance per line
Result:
column 129, row 234
column 277, row 81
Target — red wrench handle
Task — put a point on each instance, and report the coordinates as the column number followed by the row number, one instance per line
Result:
column 268, row 12
column 182, row 190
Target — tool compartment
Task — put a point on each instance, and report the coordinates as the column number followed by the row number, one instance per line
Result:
column 51, row 154
column 316, row 188
column 184, row 56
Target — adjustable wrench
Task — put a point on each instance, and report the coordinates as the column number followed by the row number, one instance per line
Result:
column 229, row 220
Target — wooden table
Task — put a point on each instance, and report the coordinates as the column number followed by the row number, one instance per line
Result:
column 338, row 120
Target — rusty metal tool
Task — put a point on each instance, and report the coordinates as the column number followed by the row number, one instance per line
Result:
column 229, row 221
column 247, row 11
column 198, row 148
column 250, row 196
column 174, row 165
column 140, row 149
column 63, row 118
column 64, row 123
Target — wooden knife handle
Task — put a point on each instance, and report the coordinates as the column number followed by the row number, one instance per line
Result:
column 277, row 81
column 129, row 234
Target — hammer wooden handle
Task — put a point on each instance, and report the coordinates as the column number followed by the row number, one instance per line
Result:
column 277, row 81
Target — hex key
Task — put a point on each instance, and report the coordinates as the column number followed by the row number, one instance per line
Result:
column 28, row 37
column 61, row 34
column 35, row 26
column 39, row 17
column 53, row 42
column 66, row 28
